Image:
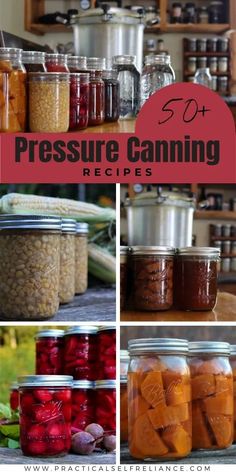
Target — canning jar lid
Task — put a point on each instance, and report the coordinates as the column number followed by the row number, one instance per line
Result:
column 96, row 63
column 29, row 57
column 157, row 345
column 105, row 384
column 124, row 355
column 14, row 386
column 50, row 333
column 9, row 53
column 123, row 59
column 209, row 347
column 56, row 56
column 106, row 328
column 233, row 349
column 49, row 76
column 32, row 222
column 68, row 225
column 209, row 252
column 123, row 379
column 124, row 250
column 86, row 384
column 77, row 61
column 152, row 251
column 82, row 228
column 45, row 381
column 81, row 330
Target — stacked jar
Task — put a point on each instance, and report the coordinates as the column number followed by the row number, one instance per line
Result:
column 14, row 396
column 124, row 364
column 67, row 261
column 49, row 352
column 107, row 352
column 83, row 405
column 95, row 67
column 80, row 357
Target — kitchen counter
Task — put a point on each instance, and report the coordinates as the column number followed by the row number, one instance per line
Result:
column 225, row 310
column 121, row 126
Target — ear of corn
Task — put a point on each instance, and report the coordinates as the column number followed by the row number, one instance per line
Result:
column 101, row 264
column 21, row 204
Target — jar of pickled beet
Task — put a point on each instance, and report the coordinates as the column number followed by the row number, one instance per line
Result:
column 45, row 415
column 95, row 66
column 107, row 352
column 81, row 352
column 14, row 396
column 123, row 409
column 233, row 366
column 196, row 278
column 79, row 101
column 152, row 274
column 49, row 352
column 29, row 266
column 13, row 100
column 56, row 63
column 67, row 261
column 112, row 95
column 83, row 406
column 123, row 275
column 105, row 401
column 81, row 258
column 212, row 395
column 77, row 63
column 159, row 392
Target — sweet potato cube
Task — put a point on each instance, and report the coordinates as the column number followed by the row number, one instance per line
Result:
column 163, row 416
column 146, row 440
column 137, row 407
column 177, row 439
column 221, row 404
column 178, row 393
column 135, row 380
column 222, row 427
column 223, row 384
column 201, row 436
column 203, row 386
column 152, row 389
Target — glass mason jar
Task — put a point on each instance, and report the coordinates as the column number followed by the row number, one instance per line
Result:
column 203, row 77
column 124, row 362
column 223, row 85
column 203, row 15
column 192, row 44
column 14, row 396
column 123, row 410
column 123, row 275
column 79, row 101
column 202, row 45
column 67, row 261
column 107, row 352
column 34, row 61
column 176, row 13
column 192, row 64
column 49, row 102
column 83, row 406
column 29, row 266
column 212, row 394
column 223, row 64
column 226, row 230
column 81, row 353
column 216, row 10
column 233, row 365
column 56, row 63
column 77, row 63
column 81, row 258
column 105, row 401
column 214, row 83
column 152, row 274
column 129, row 79
column 112, row 95
column 159, row 392
column 13, row 91
column 49, row 352
column 201, row 62
column 212, row 44
column 95, row 67
column 157, row 73
column 45, row 415
column 196, row 278
column 190, row 13
column 223, row 44
column 213, row 65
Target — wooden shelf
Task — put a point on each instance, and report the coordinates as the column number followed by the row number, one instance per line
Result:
column 40, row 29
column 214, row 215
column 196, row 28
column 218, row 74
column 206, row 54
column 223, row 238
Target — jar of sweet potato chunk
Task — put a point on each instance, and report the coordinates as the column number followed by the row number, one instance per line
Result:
column 67, row 261
column 12, row 91
column 29, row 267
column 212, row 395
column 152, row 274
column 159, row 398
column 81, row 258
column 233, row 365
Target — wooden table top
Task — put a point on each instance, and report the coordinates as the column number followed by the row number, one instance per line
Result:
column 15, row 456
column 225, row 310
column 121, row 126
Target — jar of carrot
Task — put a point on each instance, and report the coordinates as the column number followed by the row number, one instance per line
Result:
column 233, row 365
column 212, row 394
column 159, row 393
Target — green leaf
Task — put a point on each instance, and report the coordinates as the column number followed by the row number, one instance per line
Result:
column 12, row 444
column 11, row 431
column 3, row 442
column 5, row 411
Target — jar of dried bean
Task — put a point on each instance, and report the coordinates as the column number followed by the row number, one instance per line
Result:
column 14, row 396
column 112, row 95
column 83, row 407
column 123, row 410
column 12, row 91
column 81, row 352
column 196, row 278
column 67, row 261
column 29, row 266
column 212, row 394
column 49, row 352
column 159, row 392
column 77, row 63
column 56, row 63
column 49, row 102
column 152, row 268
column 123, row 275
column 105, row 401
column 233, row 365
column 107, row 352
column 79, row 101
column 81, row 258
column 45, row 415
